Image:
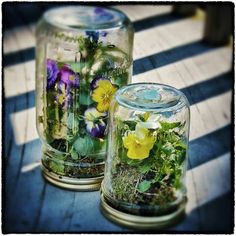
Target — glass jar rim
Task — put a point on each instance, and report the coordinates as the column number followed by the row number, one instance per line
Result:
column 148, row 96
column 85, row 17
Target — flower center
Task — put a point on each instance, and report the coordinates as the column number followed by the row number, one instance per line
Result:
column 106, row 98
column 61, row 98
column 71, row 77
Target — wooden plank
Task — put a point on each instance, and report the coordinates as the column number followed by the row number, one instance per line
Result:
column 60, row 203
column 21, row 32
column 203, row 115
column 12, row 168
column 9, row 107
column 87, row 216
column 210, row 181
column 203, row 67
column 19, row 79
column 31, row 134
column 165, row 37
column 137, row 12
column 29, row 192
column 22, row 210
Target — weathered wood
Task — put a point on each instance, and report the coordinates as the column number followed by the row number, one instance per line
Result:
column 167, row 36
column 12, row 169
column 34, row 206
column 138, row 12
column 22, row 203
column 60, row 204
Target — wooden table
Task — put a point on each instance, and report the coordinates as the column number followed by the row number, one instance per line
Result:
column 167, row 49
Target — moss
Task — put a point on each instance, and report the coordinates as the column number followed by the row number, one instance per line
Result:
column 125, row 182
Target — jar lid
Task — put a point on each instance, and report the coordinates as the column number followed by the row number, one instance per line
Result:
column 151, row 97
column 85, row 17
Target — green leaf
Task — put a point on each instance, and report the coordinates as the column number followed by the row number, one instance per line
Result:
column 145, row 165
column 144, row 168
column 132, row 162
column 74, row 154
column 168, row 148
column 83, row 145
column 180, row 146
column 131, row 124
column 99, row 145
column 144, row 186
column 56, row 167
column 77, row 67
column 85, row 99
column 167, row 125
column 72, row 121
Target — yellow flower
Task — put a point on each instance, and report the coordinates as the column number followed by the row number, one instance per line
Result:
column 139, row 143
column 103, row 95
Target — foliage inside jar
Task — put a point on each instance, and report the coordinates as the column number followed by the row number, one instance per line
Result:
column 148, row 165
column 76, row 99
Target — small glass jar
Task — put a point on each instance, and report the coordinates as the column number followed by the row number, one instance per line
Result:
column 83, row 55
column 144, row 183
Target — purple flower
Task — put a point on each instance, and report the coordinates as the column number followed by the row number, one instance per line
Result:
column 52, row 72
column 95, row 81
column 64, row 97
column 95, row 124
column 93, row 35
column 103, row 14
column 97, row 131
column 103, row 33
column 69, row 77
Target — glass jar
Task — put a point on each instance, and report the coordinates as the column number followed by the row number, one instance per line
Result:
column 144, row 183
column 83, row 55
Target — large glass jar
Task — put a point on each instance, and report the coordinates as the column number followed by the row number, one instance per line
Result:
column 144, row 183
column 83, row 55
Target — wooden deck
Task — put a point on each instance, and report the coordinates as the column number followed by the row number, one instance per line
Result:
column 167, row 49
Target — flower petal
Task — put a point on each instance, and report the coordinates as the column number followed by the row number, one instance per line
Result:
column 95, row 124
column 52, row 72
column 103, row 94
column 95, row 81
column 69, row 77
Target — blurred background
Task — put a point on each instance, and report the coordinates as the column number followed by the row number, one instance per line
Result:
column 188, row 46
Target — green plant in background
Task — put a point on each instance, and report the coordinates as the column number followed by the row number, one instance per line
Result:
column 149, row 162
column 76, row 101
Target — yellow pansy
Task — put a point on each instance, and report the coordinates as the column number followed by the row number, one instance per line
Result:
column 139, row 143
column 103, row 94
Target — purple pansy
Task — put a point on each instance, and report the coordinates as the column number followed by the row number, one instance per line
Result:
column 95, row 124
column 93, row 35
column 68, row 77
column 64, row 99
column 52, row 72
column 64, row 96
column 95, row 81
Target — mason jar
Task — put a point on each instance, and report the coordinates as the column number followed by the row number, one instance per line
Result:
column 83, row 55
column 144, row 184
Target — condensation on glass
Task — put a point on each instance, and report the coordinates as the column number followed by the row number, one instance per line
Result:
column 144, row 185
column 83, row 55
